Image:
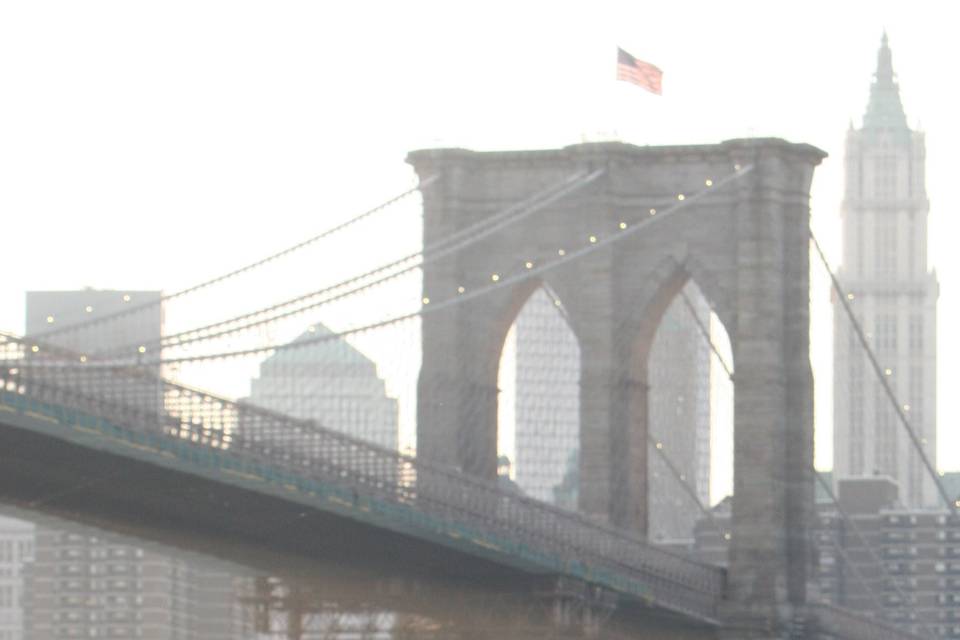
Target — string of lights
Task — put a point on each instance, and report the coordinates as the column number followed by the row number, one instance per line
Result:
column 883, row 375
column 448, row 245
column 529, row 270
column 154, row 303
column 848, row 521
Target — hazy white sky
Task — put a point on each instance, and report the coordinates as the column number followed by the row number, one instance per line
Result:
column 153, row 144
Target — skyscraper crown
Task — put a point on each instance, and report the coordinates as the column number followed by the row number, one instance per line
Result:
column 884, row 111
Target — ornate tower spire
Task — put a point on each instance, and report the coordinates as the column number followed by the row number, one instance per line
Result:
column 884, row 111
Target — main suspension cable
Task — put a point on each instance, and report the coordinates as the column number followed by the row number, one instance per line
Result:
column 522, row 276
column 239, row 271
column 433, row 252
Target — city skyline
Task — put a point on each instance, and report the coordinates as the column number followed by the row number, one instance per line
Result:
column 827, row 86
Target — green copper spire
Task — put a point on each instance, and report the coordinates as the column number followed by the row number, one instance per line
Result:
column 884, row 111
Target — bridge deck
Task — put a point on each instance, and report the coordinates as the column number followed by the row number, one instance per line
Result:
column 435, row 506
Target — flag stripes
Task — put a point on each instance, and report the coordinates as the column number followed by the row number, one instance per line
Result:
column 643, row 74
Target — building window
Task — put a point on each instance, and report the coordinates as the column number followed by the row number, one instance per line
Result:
column 885, row 177
column 885, row 247
column 886, row 330
column 916, row 333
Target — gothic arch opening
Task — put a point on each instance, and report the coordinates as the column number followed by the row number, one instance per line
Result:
column 538, row 412
column 681, row 357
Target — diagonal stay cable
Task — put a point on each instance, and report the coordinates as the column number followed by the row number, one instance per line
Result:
column 241, row 270
column 863, row 540
column 884, row 382
column 436, row 251
column 522, row 276
column 833, row 498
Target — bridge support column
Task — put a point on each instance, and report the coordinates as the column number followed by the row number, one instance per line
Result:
column 770, row 553
column 613, row 431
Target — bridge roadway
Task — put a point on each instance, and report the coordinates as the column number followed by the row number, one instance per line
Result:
column 137, row 455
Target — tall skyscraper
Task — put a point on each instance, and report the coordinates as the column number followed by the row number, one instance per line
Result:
column 328, row 381
column 894, row 295
column 548, row 409
column 547, row 396
column 678, row 374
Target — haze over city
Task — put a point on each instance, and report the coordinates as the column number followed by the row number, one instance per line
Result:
column 500, row 384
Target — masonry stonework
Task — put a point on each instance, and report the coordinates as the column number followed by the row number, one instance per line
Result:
column 745, row 243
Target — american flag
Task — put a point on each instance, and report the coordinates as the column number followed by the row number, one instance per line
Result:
column 640, row 73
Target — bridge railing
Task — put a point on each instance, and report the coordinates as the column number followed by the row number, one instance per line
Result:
column 503, row 521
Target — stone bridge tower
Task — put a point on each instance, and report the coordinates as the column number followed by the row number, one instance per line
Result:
column 745, row 241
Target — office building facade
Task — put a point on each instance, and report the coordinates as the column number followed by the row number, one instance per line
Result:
column 893, row 294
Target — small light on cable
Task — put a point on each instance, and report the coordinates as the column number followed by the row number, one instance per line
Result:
column 709, row 182
column 659, row 445
column 888, row 372
column 726, row 535
column 460, row 289
column 88, row 309
column 623, row 225
column 850, row 296
column 906, row 407
column 126, row 297
column 426, row 300
column 142, row 349
column 49, row 319
column 593, row 239
column 653, row 212
column 495, row 277
column 736, row 167
column 561, row 252
column 680, row 196
column 528, row 265
column 312, row 329
column 35, row 348
column 83, row 358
